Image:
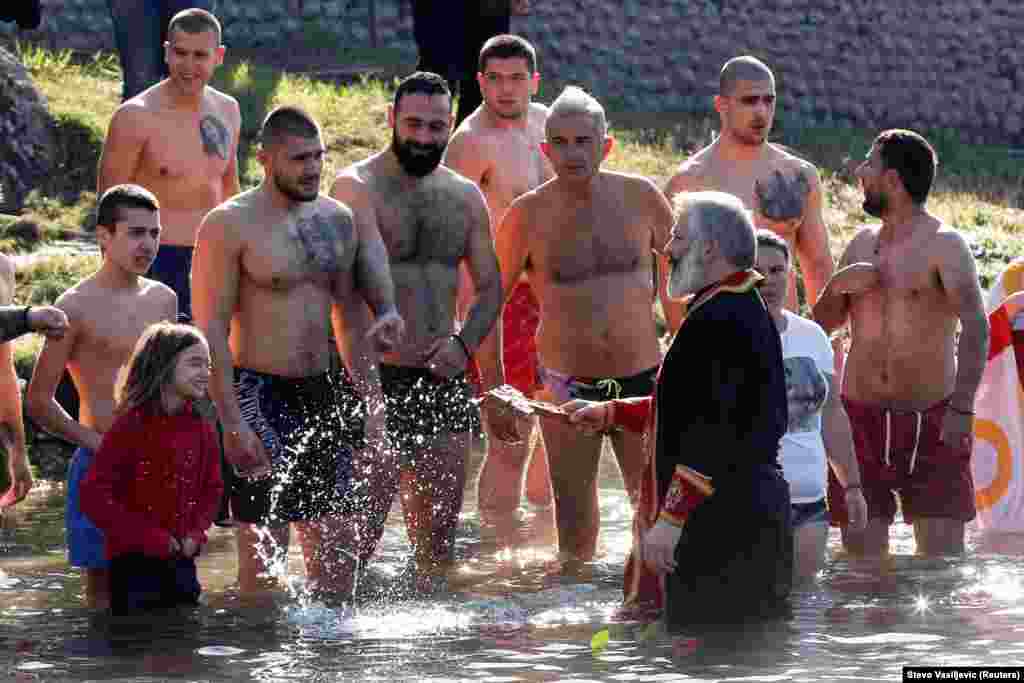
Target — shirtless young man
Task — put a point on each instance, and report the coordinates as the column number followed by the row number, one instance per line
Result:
column 107, row 313
column 179, row 138
column 498, row 148
column 783, row 190
column 909, row 382
column 585, row 241
column 433, row 221
column 272, row 266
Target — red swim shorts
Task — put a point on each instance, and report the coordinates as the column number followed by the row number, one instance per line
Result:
column 900, row 452
column 520, row 320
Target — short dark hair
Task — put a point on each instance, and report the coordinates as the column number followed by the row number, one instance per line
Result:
column 745, row 68
column 194, row 20
column 912, row 157
column 507, row 46
column 767, row 238
column 287, row 120
column 126, row 196
column 422, row 83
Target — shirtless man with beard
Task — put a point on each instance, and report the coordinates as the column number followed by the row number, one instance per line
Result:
column 910, row 380
column 498, row 148
column 782, row 190
column 433, row 222
column 179, row 139
column 273, row 265
column 586, row 242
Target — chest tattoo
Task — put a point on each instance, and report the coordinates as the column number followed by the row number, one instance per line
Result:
column 215, row 136
column 318, row 237
column 781, row 198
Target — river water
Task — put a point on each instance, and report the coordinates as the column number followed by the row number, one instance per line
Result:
column 512, row 614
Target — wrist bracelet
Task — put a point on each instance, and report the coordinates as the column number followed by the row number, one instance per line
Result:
column 462, row 342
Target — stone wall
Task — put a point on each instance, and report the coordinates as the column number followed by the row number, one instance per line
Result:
column 923, row 63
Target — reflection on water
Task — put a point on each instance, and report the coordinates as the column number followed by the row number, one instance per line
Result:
column 512, row 614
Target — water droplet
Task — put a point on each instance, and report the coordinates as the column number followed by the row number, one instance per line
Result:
column 219, row 651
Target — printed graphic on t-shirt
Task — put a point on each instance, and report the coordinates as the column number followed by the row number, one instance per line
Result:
column 805, row 393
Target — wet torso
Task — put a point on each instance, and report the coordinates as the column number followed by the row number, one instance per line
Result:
column 289, row 265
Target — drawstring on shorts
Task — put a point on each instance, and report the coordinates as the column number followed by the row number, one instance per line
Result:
column 888, row 438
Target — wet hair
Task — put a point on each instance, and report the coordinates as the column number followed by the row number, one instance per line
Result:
column 194, row 20
column 912, row 158
column 720, row 218
column 422, row 83
column 287, row 120
column 575, row 100
column 767, row 238
column 141, row 382
column 507, row 46
column 745, row 68
column 126, row 196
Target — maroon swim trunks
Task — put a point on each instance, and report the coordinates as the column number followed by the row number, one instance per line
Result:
column 900, row 452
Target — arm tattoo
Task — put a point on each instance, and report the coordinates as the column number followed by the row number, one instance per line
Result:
column 215, row 136
column 318, row 237
column 782, row 199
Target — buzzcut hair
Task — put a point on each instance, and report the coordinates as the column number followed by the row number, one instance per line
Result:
column 912, row 158
column 508, row 46
column 767, row 238
column 193, row 21
column 287, row 120
column 422, row 83
column 720, row 218
column 125, row 196
column 744, row 68
column 575, row 101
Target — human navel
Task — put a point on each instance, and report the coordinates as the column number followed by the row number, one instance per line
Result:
column 164, row 171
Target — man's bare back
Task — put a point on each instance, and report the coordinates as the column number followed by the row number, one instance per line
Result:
column 590, row 264
column 186, row 158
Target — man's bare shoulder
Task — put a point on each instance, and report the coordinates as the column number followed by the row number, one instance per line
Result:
column 354, row 183
column 330, row 207
column 785, row 159
column 221, row 100
column 633, row 182
column 697, row 164
column 447, row 179
column 951, row 243
column 538, row 113
column 136, row 113
column 152, row 290
column 862, row 245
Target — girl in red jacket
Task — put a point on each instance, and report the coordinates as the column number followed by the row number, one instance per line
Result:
column 155, row 484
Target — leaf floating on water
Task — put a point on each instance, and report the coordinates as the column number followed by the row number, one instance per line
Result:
column 219, row 651
column 600, row 641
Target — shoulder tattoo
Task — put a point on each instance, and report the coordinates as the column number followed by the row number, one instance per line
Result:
column 780, row 198
column 321, row 239
column 214, row 135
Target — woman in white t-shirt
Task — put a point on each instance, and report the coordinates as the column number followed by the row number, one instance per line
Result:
column 818, row 430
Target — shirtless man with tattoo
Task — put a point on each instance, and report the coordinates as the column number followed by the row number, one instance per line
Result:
column 433, row 222
column 179, row 139
column 498, row 148
column 782, row 190
column 272, row 266
column 586, row 242
column 107, row 313
column 910, row 380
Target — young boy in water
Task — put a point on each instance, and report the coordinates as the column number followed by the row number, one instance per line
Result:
column 107, row 313
column 155, row 485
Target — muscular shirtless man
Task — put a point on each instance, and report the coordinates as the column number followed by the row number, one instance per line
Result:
column 272, row 266
column 498, row 148
column 433, row 221
column 783, row 190
column 107, row 313
column 179, row 139
column 585, row 241
column 910, row 382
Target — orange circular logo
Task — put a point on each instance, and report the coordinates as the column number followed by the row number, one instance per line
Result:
column 987, row 430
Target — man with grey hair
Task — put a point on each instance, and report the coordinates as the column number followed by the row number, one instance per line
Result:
column 715, row 420
column 586, row 243
column 783, row 190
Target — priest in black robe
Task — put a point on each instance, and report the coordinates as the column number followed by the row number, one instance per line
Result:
column 712, row 537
